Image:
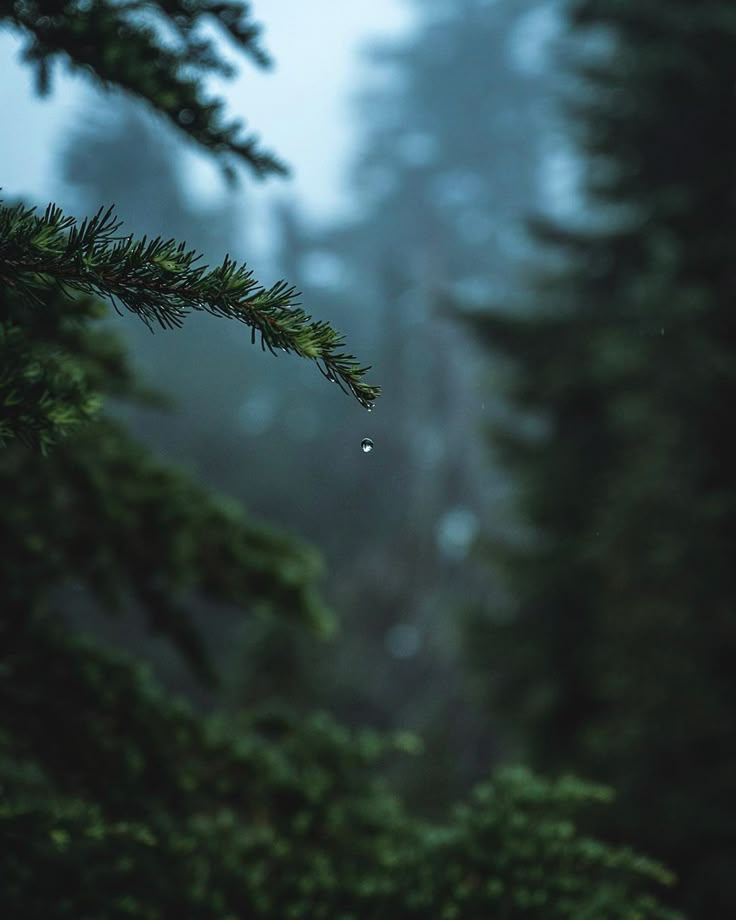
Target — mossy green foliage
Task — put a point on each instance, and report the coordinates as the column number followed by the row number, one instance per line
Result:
column 120, row 802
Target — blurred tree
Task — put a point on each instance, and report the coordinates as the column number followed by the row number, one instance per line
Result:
column 450, row 130
column 614, row 654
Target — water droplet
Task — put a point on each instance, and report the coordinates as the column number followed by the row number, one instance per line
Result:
column 369, row 407
column 366, row 445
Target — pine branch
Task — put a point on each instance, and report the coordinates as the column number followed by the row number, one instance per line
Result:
column 161, row 281
column 84, row 509
column 43, row 392
column 154, row 51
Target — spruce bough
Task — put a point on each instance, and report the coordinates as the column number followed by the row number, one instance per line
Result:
column 161, row 281
column 160, row 54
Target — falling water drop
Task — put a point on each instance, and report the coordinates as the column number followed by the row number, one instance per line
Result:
column 367, row 445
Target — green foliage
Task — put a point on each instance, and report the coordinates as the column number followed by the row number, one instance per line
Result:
column 102, row 513
column 611, row 658
column 155, row 51
column 41, row 388
column 44, row 258
column 82, row 513
column 56, row 366
column 156, row 812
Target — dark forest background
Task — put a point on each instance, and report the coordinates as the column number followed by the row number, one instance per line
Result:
column 535, row 562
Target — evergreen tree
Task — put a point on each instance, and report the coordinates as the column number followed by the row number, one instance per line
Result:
column 613, row 657
column 119, row 801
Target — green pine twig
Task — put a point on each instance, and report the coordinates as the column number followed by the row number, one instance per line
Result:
column 161, row 281
column 155, row 50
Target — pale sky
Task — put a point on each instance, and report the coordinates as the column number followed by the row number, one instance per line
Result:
column 300, row 108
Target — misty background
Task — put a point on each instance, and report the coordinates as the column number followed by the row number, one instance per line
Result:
column 401, row 200
column 436, row 214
